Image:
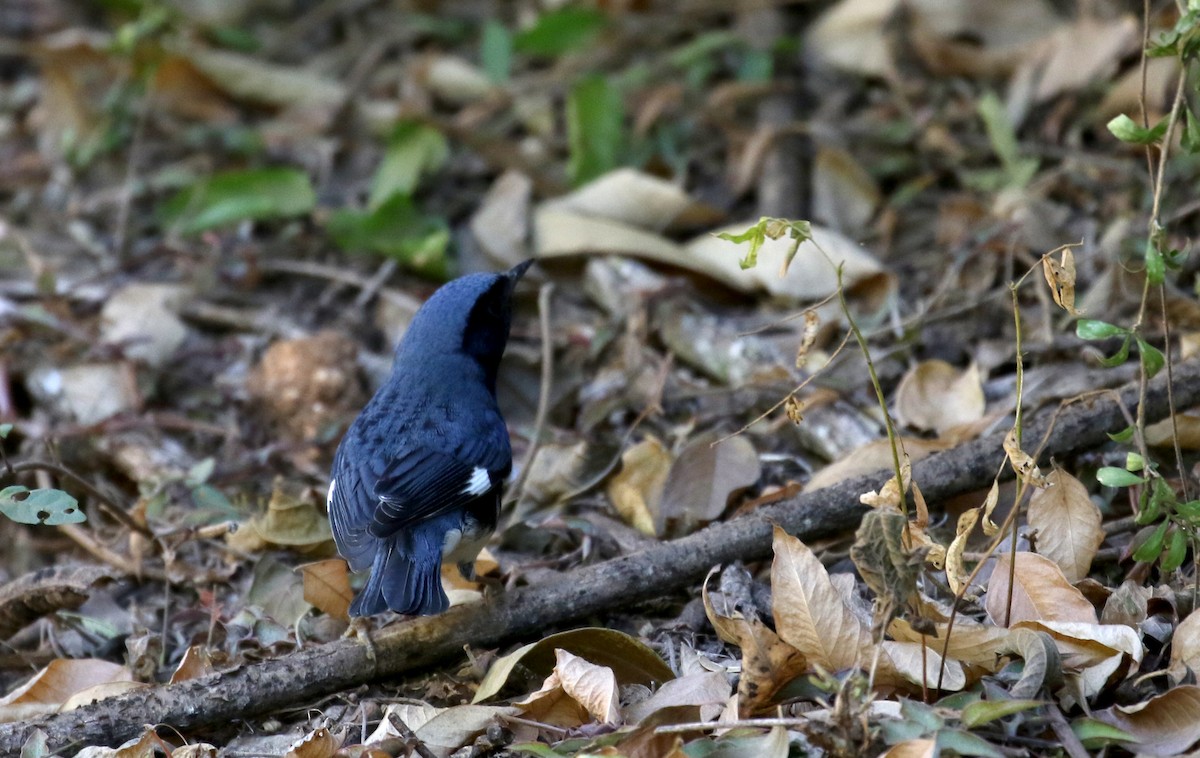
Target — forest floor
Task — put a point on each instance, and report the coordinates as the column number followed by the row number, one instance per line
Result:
column 849, row 394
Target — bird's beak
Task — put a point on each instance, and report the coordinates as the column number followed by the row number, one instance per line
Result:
column 516, row 272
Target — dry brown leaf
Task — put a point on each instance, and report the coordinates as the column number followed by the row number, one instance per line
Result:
column 592, row 688
column 636, row 490
column 701, row 481
column 956, row 568
column 1023, row 463
column 971, row 643
column 921, row 748
column 844, row 194
column 1185, row 647
column 1060, row 275
column 706, row 691
column 1095, row 653
column 54, row 685
column 809, row 612
column 1040, row 592
column 1072, row 57
column 1186, row 425
column 905, row 663
column 319, row 743
column 628, row 196
column 327, row 587
column 935, row 396
column 194, row 664
column 1068, row 523
column 871, row 458
column 891, row 494
column 768, row 663
column 1167, row 724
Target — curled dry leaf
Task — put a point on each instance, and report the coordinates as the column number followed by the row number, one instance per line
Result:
column 1068, row 524
column 956, row 569
column 768, row 663
column 194, row 664
column 891, row 494
column 1040, row 592
column 1167, row 724
column 1060, row 275
column 935, row 396
column 632, row 661
column 1094, row 653
column 1185, row 647
column 591, row 690
column 1023, row 463
column 319, row 743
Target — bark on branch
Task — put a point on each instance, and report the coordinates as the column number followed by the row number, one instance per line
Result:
column 308, row 674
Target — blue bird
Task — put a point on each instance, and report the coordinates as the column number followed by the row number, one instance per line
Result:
column 417, row 478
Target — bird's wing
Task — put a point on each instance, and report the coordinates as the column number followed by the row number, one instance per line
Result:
column 426, row 482
column 351, row 501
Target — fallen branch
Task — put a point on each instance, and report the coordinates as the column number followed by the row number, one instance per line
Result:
column 219, row 699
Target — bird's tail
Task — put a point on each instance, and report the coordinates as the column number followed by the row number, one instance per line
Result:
column 405, row 578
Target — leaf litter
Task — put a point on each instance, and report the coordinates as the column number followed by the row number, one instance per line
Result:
column 216, row 223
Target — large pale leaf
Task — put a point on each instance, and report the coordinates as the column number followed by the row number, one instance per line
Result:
column 1040, row 592
column 1164, row 725
column 809, row 612
column 1185, row 647
column 935, row 396
column 1068, row 523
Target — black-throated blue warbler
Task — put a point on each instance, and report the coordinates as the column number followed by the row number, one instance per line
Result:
column 417, row 478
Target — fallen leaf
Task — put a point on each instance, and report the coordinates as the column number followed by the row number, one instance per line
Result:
column 701, row 480
column 1167, row 724
column 636, row 490
column 327, row 587
column 809, row 613
column 1185, row 647
column 935, row 396
column 1040, row 592
column 1068, row 523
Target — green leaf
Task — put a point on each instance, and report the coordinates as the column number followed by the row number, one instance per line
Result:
column 1148, row 551
column 1189, row 512
column 1134, row 462
column 1155, row 266
column 398, row 230
column 414, row 150
column 1158, row 498
column 40, row 506
column 1095, row 734
column 1125, row 435
column 1111, row 476
column 1091, row 329
column 1119, row 357
column 982, row 711
column 236, row 196
column 756, row 66
column 1126, row 129
column 595, row 128
column 1152, row 358
column 755, row 235
column 1018, row 171
column 1177, row 547
column 560, row 31
column 1190, row 141
column 964, row 743
column 496, row 52
column 5, row 429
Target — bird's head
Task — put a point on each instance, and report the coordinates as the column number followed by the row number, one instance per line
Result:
column 468, row 316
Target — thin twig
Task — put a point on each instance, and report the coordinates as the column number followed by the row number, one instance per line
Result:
column 543, row 407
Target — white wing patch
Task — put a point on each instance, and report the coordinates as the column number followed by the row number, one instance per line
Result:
column 329, row 495
column 479, row 483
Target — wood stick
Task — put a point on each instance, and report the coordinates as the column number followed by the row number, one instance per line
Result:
column 583, row 593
